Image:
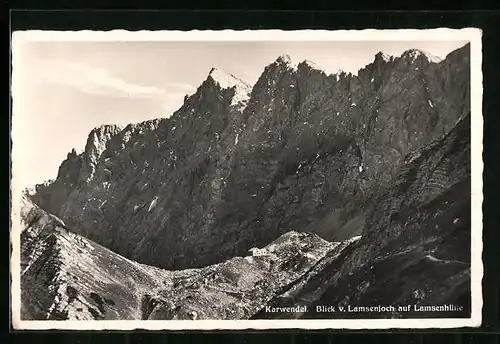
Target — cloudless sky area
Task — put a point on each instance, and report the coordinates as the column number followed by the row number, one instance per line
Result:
column 62, row 90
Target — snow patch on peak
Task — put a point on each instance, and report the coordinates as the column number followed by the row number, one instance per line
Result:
column 413, row 54
column 432, row 58
column 386, row 57
column 383, row 56
column 96, row 145
column 311, row 64
column 225, row 81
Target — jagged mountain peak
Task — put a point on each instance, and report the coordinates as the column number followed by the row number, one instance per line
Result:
column 148, row 125
column 98, row 136
column 414, row 54
column 139, row 129
column 383, row 60
column 227, row 80
column 284, row 58
column 311, row 65
column 96, row 145
column 410, row 54
column 381, row 56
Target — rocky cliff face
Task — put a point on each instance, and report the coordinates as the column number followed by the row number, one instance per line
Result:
column 415, row 248
column 238, row 166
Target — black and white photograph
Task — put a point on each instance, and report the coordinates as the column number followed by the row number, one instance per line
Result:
column 246, row 179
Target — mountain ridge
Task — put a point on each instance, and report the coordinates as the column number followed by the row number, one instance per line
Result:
column 285, row 58
column 232, row 177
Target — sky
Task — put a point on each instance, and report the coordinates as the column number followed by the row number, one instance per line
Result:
column 62, row 90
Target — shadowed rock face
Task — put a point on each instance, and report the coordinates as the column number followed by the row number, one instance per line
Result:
column 300, row 151
column 415, row 250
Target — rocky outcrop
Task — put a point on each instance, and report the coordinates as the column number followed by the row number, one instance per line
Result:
column 235, row 168
column 65, row 276
column 415, row 248
column 76, row 170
